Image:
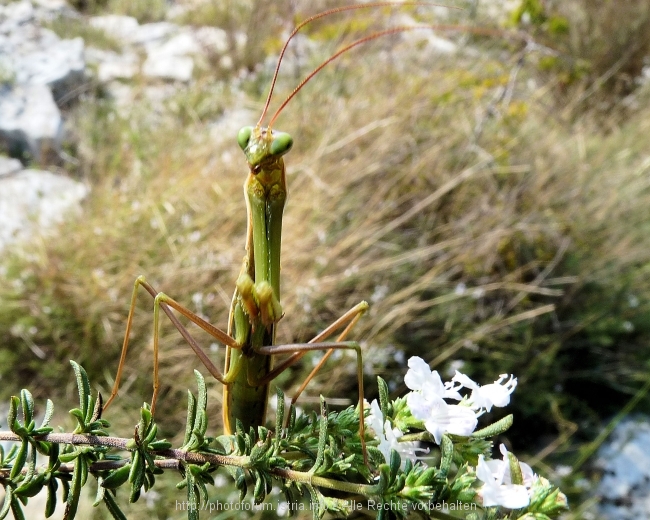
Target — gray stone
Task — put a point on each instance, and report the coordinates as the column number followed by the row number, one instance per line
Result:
column 58, row 64
column 15, row 14
column 153, row 33
column 166, row 66
column 117, row 26
column 625, row 461
column 34, row 200
column 29, row 120
column 9, row 166
column 37, row 68
column 111, row 65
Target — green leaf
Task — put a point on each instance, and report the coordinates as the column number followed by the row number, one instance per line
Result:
column 74, row 493
column 160, row 445
column 191, row 415
column 49, row 411
column 54, row 462
column 83, row 387
column 81, row 420
column 83, row 463
column 50, row 502
column 16, row 509
column 447, row 454
column 98, row 408
column 192, row 499
column 153, row 430
column 112, row 507
column 494, row 429
column 322, row 437
column 136, row 476
column 6, row 505
column 13, row 412
column 32, row 487
column 258, row 492
column 260, row 450
column 202, row 391
column 395, row 463
column 279, row 417
column 27, row 404
column 515, row 470
column 69, row 457
column 101, row 491
column 118, row 477
column 384, row 396
column 20, row 460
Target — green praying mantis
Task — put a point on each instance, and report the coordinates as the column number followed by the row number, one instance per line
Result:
column 256, row 309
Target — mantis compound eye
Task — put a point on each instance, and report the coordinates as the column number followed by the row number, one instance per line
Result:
column 244, row 136
column 281, row 144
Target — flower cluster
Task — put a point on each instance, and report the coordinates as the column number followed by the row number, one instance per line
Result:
column 428, row 404
column 427, row 399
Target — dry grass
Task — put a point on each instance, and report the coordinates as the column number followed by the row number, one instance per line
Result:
column 482, row 229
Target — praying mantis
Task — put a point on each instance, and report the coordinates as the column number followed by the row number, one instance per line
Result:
column 255, row 309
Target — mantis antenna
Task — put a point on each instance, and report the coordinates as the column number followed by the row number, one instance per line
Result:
column 329, row 12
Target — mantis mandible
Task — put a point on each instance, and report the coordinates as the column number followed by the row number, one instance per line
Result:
column 255, row 309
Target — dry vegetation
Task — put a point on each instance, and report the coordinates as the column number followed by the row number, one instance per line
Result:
column 485, row 222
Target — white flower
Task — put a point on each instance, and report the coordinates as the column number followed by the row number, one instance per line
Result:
column 485, row 397
column 389, row 437
column 440, row 417
column 498, row 467
column 498, row 489
column 420, row 378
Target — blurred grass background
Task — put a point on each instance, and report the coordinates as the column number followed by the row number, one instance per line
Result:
column 492, row 205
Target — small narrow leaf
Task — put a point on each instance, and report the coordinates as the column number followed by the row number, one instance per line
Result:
column 515, row 470
column 447, row 452
column 395, row 463
column 13, row 412
column 50, row 503
column 27, row 404
column 112, row 507
column 202, row 391
column 17, row 510
column 98, row 408
column 279, row 417
column 49, row 411
column 384, row 397
column 83, row 386
column 101, row 491
column 20, row 460
column 497, row 428
column 6, row 505
column 74, row 493
column 322, row 437
column 192, row 499
column 191, row 415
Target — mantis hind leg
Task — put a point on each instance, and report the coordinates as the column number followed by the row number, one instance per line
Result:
column 348, row 320
column 164, row 302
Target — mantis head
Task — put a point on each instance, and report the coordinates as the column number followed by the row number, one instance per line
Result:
column 263, row 146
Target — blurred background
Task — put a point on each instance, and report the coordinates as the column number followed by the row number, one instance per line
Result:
column 488, row 195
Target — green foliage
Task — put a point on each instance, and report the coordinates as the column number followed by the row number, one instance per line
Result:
column 601, row 46
column 308, row 456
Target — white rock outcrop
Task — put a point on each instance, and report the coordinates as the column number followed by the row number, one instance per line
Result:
column 37, row 70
